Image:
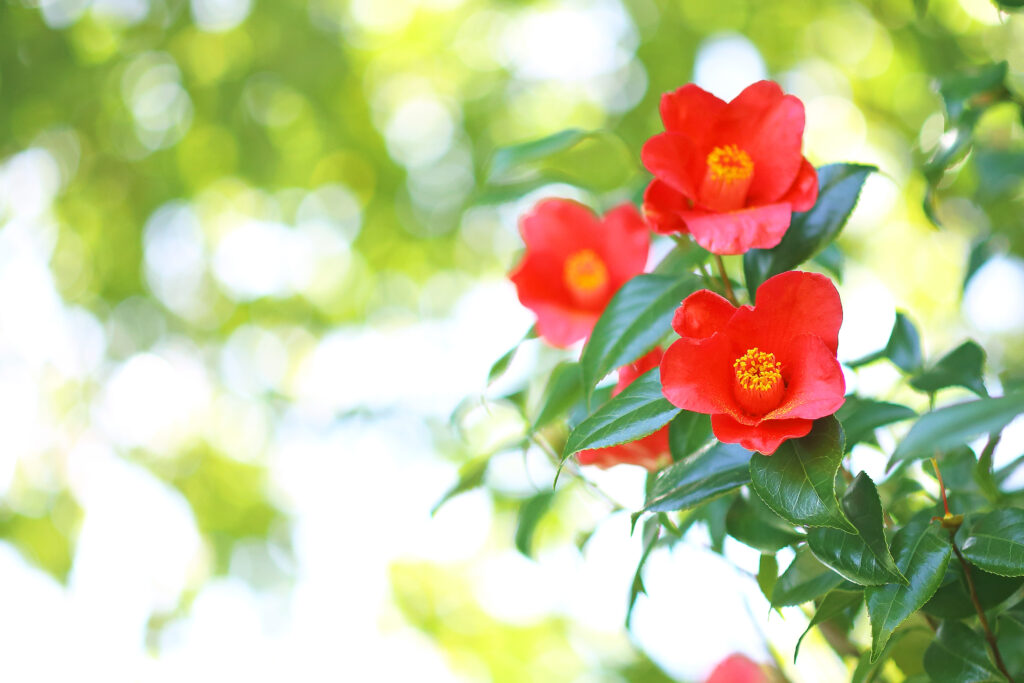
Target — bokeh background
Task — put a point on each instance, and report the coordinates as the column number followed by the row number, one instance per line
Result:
column 252, row 279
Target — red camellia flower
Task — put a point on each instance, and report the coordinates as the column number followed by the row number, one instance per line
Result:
column 763, row 373
column 574, row 263
column 730, row 174
column 737, row 668
column 652, row 450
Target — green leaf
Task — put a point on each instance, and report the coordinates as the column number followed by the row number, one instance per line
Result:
column 953, row 601
column 1009, row 5
column 860, row 418
column 687, row 433
column 974, row 89
column 720, row 469
column 471, row 476
column 652, row 529
column 597, row 160
column 862, row 558
column 835, row 602
column 683, row 258
column 530, row 513
column 810, row 231
column 798, row 480
column 961, row 367
column 959, row 655
column 922, row 553
column 921, row 8
column 996, row 542
column 804, row 580
column 751, row 522
column 832, row 260
column 636, row 318
column 868, row 668
column 639, row 410
column 903, row 347
column 955, row 425
column 565, row 387
column 981, row 251
column 767, row 575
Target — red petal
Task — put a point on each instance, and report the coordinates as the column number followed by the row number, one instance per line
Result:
column 696, row 374
column 702, row 314
column 691, row 110
column 735, row 232
column 650, row 452
column 676, row 160
column 804, row 192
column 560, row 226
column 661, row 207
column 737, row 668
column 764, row 437
column 814, row 381
column 561, row 326
column 626, row 241
column 628, row 373
column 788, row 305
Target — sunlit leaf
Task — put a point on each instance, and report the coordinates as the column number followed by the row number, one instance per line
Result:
column 531, row 511
column 860, row 418
column 720, row 469
column 996, row 542
column 804, row 580
column 564, row 388
column 964, row 366
column 834, row 603
column 687, row 433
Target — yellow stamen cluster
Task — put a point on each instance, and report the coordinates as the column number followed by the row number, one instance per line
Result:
column 730, row 163
column 757, row 370
column 585, row 272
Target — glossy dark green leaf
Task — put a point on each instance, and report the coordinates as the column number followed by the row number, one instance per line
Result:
column 860, row 418
column 955, row 425
column 713, row 512
column 959, row 655
column 964, row 366
column 834, row 603
column 922, row 552
column 996, row 542
column 636, row 318
column 1009, row 629
column 639, row 410
column 752, row 522
column 804, row 580
column 531, row 512
column 651, row 532
column 798, row 480
column 863, row 558
column 953, row 600
column 1009, row 5
column 598, row 160
column 687, row 433
column 720, row 469
column 564, row 388
column 810, row 231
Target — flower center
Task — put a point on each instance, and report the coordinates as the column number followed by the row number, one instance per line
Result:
column 586, row 276
column 730, row 163
column 759, row 385
column 727, row 179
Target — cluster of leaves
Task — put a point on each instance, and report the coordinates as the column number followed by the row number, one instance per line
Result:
column 952, row 571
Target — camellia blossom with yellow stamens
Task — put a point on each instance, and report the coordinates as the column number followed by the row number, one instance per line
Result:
column 764, row 372
column 574, row 263
column 729, row 173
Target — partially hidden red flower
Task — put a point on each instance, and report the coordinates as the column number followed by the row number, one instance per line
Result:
column 737, row 668
column 574, row 263
column 729, row 173
column 764, row 373
column 650, row 451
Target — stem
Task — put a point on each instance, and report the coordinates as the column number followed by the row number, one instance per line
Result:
column 725, row 281
column 942, row 486
column 989, row 636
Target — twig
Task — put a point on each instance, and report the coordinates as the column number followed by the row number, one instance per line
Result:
column 951, row 524
column 725, row 281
